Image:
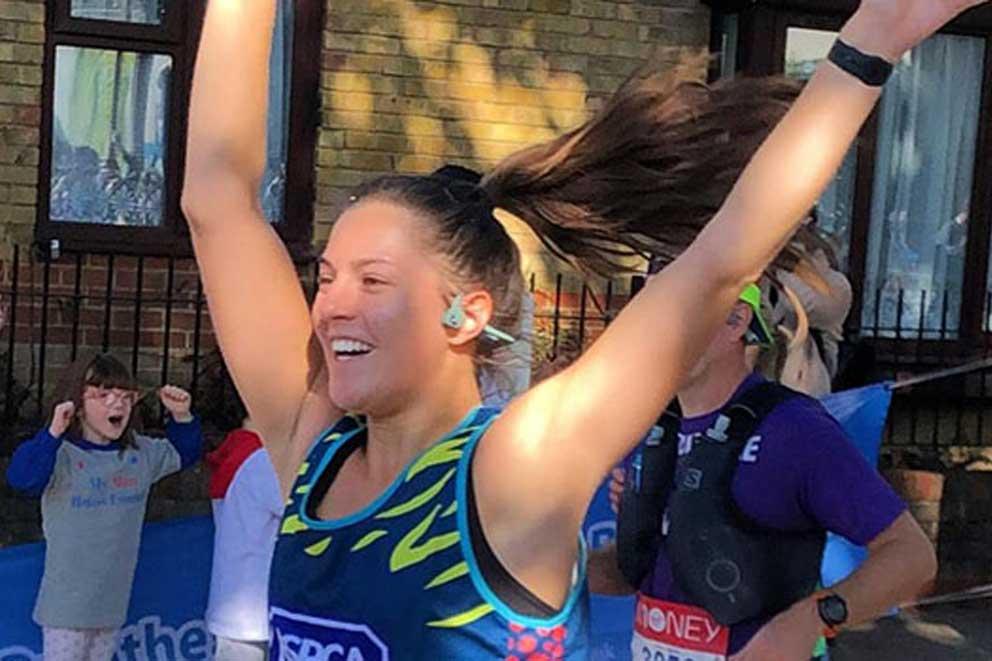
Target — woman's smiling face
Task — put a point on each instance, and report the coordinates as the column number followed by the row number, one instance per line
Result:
column 377, row 313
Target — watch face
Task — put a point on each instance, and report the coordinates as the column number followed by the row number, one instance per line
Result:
column 833, row 610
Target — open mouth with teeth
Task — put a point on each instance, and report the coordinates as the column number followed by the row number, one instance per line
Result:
column 348, row 349
column 116, row 420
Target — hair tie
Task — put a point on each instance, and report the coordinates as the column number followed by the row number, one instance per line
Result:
column 471, row 180
column 455, row 172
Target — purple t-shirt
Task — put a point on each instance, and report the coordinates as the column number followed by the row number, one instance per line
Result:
column 800, row 473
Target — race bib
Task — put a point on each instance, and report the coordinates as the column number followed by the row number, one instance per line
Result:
column 664, row 631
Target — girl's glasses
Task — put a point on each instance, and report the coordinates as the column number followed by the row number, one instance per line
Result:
column 110, row 396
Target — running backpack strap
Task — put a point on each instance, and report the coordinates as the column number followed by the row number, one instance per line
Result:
column 737, row 423
column 648, row 481
column 736, row 426
column 721, row 559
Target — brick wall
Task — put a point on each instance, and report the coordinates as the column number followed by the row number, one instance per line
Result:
column 409, row 86
column 22, row 38
column 965, row 534
column 92, row 289
column 75, row 308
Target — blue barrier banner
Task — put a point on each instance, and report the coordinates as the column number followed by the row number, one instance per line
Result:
column 173, row 575
column 165, row 618
column 862, row 413
column 612, row 617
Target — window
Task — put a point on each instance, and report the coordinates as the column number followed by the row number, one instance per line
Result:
column 909, row 210
column 116, row 96
column 147, row 12
column 921, row 197
column 108, row 162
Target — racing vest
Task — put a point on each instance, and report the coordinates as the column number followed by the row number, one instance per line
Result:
column 722, row 560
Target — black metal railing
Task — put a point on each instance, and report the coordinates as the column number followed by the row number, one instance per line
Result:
column 130, row 306
column 905, row 333
column 151, row 313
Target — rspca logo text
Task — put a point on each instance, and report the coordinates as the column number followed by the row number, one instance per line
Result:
column 303, row 638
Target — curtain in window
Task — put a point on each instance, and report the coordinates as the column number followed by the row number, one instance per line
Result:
column 280, row 71
column 109, row 136
column 923, row 180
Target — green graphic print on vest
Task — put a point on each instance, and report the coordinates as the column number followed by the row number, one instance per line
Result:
column 399, row 579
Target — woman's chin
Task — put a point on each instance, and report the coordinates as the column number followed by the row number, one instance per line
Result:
column 349, row 401
column 368, row 403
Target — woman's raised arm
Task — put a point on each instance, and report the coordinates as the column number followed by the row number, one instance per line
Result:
column 567, row 432
column 256, row 302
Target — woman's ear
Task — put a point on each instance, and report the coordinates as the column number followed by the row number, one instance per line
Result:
column 476, row 312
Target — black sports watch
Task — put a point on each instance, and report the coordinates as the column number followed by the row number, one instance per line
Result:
column 833, row 611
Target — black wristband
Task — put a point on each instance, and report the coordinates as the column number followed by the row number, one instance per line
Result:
column 869, row 69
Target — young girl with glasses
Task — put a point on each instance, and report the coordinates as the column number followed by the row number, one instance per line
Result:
column 93, row 473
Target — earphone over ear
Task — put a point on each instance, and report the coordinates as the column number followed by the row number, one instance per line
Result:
column 454, row 318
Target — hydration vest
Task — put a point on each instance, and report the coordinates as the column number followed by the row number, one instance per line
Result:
column 721, row 559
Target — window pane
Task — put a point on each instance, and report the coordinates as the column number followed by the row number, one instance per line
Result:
column 804, row 50
column 729, row 33
column 124, row 11
column 108, row 136
column 273, row 188
column 924, row 166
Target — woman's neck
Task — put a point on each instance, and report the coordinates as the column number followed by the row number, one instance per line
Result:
column 394, row 440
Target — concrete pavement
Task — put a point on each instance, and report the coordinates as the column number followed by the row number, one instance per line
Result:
column 945, row 633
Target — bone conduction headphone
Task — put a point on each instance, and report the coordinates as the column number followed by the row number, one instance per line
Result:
column 454, row 318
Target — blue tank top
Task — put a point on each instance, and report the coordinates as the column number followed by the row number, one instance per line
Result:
column 399, row 579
